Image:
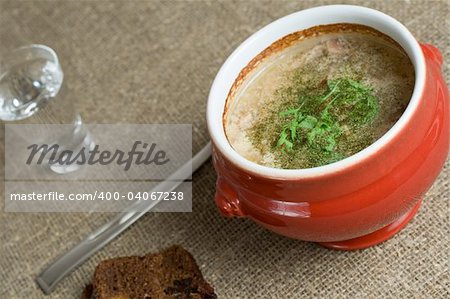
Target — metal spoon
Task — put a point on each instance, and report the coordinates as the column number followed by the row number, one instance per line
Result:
column 65, row 264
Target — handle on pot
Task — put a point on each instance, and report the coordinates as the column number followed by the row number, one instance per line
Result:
column 227, row 199
column 432, row 52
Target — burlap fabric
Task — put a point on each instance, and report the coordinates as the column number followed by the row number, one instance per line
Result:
column 154, row 62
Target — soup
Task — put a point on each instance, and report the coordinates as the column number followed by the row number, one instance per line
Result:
column 318, row 96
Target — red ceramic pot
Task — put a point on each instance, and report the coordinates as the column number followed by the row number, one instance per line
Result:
column 359, row 201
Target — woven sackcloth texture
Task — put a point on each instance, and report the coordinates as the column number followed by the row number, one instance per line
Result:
column 154, row 62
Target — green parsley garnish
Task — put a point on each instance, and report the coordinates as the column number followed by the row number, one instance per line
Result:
column 345, row 101
column 318, row 127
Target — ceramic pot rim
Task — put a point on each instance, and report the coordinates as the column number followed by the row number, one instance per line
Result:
column 294, row 22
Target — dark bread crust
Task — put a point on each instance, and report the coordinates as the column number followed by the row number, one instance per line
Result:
column 172, row 273
column 87, row 292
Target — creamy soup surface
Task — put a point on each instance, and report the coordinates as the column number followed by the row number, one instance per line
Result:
column 319, row 100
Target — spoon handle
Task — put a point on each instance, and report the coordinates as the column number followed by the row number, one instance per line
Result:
column 66, row 263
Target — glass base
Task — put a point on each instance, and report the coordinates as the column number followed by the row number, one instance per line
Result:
column 376, row 237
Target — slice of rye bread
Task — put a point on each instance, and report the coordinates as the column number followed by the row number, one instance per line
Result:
column 172, row 273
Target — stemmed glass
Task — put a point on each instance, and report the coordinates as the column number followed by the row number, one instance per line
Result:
column 30, row 81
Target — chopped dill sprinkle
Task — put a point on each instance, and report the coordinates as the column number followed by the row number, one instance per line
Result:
column 318, row 123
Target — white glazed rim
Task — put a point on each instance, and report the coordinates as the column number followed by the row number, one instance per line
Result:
column 308, row 18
